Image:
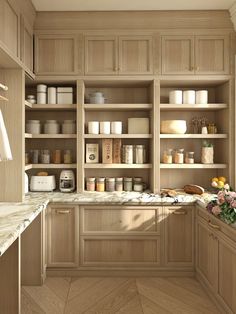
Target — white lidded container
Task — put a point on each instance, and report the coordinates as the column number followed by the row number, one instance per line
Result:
column 189, row 97
column 52, row 95
column 105, row 127
column 65, row 95
column 176, row 97
column 33, row 127
column 51, row 127
column 96, row 98
column 41, row 98
column 41, row 88
column 68, row 127
column 93, row 127
column 116, row 127
column 202, row 97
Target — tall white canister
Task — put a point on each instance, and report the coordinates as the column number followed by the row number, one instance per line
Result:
column 52, row 95
column 176, row 97
column 202, row 97
column 189, row 97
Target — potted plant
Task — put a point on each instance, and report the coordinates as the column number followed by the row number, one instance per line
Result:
column 207, row 153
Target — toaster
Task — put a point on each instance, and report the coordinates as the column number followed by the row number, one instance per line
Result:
column 42, row 183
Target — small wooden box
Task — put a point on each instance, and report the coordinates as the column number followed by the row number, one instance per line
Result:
column 92, row 153
column 107, row 151
column 117, row 151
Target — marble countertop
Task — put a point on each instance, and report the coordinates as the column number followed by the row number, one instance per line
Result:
column 15, row 217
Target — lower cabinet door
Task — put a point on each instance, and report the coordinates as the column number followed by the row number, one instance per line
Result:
column 62, row 236
column 227, row 274
column 179, row 235
column 207, row 255
column 115, row 251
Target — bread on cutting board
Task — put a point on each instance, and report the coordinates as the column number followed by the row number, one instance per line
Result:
column 193, row 189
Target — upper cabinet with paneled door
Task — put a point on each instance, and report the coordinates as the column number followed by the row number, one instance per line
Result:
column 10, row 26
column 26, row 44
column 58, row 54
column 196, row 55
column 118, row 55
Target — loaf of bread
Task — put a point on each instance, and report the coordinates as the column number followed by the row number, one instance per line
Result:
column 42, row 174
column 193, row 189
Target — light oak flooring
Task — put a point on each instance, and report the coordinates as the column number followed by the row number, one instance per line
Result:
column 117, row 295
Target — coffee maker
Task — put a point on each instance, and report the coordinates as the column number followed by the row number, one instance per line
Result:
column 67, row 181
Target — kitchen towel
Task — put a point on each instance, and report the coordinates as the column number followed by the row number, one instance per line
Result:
column 5, row 150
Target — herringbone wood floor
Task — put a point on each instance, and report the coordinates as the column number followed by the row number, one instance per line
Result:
column 117, row 295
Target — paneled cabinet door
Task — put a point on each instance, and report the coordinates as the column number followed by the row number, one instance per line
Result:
column 207, row 254
column 10, row 26
column 135, row 55
column 177, row 55
column 211, row 54
column 27, row 42
column 62, row 236
column 101, row 55
column 227, row 274
column 179, row 235
column 57, row 54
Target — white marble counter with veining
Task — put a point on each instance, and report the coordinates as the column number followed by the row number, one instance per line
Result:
column 15, row 217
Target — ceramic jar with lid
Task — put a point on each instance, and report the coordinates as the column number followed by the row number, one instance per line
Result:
column 52, row 95
column 33, row 127
column 128, row 184
column 96, row 98
column 100, row 184
column 179, row 156
column 68, row 127
column 93, row 127
column 119, row 184
column 31, row 99
column 110, row 184
column 90, row 184
column 51, row 127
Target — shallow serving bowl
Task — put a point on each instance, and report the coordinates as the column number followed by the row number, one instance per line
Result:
column 173, row 126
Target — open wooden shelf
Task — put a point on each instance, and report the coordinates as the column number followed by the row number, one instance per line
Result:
column 117, row 166
column 193, row 107
column 114, row 107
column 117, row 136
column 193, row 136
column 28, row 105
column 3, row 98
column 28, row 135
column 193, row 166
column 50, row 166
column 50, row 107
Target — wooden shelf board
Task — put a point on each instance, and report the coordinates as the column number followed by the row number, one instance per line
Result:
column 28, row 105
column 193, row 136
column 117, row 136
column 3, row 98
column 27, row 135
column 28, row 167
column 52, row 107
column 193, row 107
column 117, row 166
column 193, row 166
column 52, row 166
column 117, row 107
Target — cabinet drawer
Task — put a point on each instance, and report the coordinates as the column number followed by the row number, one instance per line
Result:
column 120, row 220
column 120, row 251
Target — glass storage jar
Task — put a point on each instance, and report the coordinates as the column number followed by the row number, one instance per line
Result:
column 167, row 156
column 67, row 156
column 119, row 184
column 45, row 156
column 212, row 129
column 51, row 127
column 128, row 184
column 140, row 154
column 127, row 154
column 179, row 156
column 100, row 184
column 189, row 158
column 110, row 184
column 68, row 127
column 90, row 184
column 56, row 156
column 33, row 127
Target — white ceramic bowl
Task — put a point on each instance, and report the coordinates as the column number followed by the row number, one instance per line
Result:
column 173, row 126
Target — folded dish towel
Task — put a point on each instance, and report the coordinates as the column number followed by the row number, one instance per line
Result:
column 5, row 150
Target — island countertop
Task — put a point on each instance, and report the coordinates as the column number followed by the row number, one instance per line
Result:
column 16, row 217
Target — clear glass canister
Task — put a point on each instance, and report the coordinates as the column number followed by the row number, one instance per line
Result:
column 110, row 184
column 138, row 187
column 140, row 154
column 56, row 156
column 45, row 156
column 127, row 154
column 119, row 184
column 167, row 156
column 189, row 158
column 212, row 129
column 179, row 156
column 128, row 184
column 67, row 156
column 90, row 184
column 100, row 184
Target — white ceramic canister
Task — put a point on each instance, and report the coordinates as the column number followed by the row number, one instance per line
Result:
column 68, row 127
column 33, row 127
column 41, row 98
column 105, row 127
column 41, row 88
column 51, row 127
column 189, row 97
column 31, row 99
column 176, row 97
column 52, row 95
column 116, row 127
column 96, row 98
column 202, row 97
column 93, row 127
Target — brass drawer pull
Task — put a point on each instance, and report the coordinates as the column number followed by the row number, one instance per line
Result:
column 64, row 212
column 182, row 212
column 213, row 226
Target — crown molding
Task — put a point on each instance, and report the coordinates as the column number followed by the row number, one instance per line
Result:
column 232, row 12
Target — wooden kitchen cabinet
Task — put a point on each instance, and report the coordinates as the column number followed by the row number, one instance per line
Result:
column 179, row 235
column 200, row 54
column 62, row 225
column 58, row 54
column 10, row 26
column 26, row 44
column 177, row 55
column 118, row 55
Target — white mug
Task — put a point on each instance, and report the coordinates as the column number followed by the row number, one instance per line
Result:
column 105, row 127
column 93, row 127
